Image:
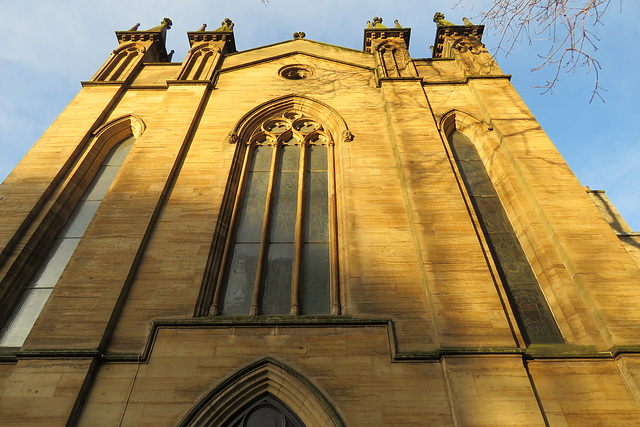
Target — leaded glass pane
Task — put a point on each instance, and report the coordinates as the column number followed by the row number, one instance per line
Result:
column 101, row 183
column 316, row 279
column 20, row 323
column 54, row 263
column 317, row 208
column 261, row 158
column 463, row 148
column 512, row 260
column 535, row 314
column 283, row 225
column 118, row 153
column 492, row 214
column 290, row 160
column 252, row 216
column 80, row 218
column 276, row 292
column 242, row 275
column 317, row 158
column 476, row 178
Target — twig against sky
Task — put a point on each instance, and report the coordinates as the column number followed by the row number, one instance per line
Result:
column 567, row 28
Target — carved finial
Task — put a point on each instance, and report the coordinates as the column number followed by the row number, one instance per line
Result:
column 135, row 27
column 227, row 25
column 204, row 26
column 438, row 18
column 467, row 23
column 299, row 35
column 369, row 26
column 377, row 23
column 164, row 25
column 397, row 24
column 170, row 55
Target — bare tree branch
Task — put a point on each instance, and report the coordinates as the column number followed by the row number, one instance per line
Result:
column 568, row 26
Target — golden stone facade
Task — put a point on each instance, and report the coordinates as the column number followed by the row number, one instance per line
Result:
column 408, row 310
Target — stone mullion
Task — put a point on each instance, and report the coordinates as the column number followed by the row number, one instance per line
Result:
column 231, row 237
column 266, row 231
column 299, row 242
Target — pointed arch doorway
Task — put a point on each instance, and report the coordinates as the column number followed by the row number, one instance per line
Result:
column 264, row 394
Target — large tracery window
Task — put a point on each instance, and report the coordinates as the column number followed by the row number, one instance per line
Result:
column 281, row 255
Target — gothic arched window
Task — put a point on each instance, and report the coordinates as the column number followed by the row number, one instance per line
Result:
column 39, row 288
column 280, row 253
column 529, row 305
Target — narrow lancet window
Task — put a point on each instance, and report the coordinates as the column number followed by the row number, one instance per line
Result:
column 280, row 257
column 529, row 305
column 37, row 292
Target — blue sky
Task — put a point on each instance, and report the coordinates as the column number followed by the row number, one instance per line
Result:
column 49, row 48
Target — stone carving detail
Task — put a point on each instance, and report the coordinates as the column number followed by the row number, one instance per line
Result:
column 232, row 137
column 347, row 136
column 299, row 35
column 438, row 18
column 377, row 23
column 474, row 56
column 164, row 25
column 227, row 25
column 200, row 62
column 120, row 64
column 394, row 59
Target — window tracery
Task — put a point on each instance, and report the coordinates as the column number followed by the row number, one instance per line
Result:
column 281, row 256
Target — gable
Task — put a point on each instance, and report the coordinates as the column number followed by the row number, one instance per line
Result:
column 301, row 47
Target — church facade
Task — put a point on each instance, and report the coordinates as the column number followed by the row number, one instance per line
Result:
column 305, row 234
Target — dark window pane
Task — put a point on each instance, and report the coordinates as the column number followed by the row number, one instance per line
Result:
column 316, row 279
column 317, row 209
column 242, row 275
column 252, row 216
column 511, row 259
column 535, row 314
column 266, row 411
column 491, row 214
column 529, row 305
column 476, row 178
column 290, row 160
column 283, row 225
column 276, row 292
column 317, row 158
column 261, row 158
column 463, row 148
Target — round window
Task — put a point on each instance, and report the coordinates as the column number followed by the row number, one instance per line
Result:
column 295, row 72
